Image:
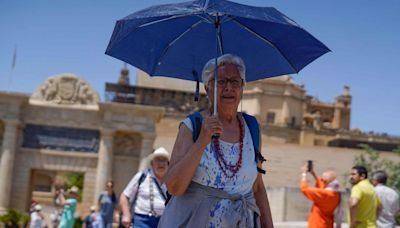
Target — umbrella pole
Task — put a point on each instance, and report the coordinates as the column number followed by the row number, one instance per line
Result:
column 217, row 31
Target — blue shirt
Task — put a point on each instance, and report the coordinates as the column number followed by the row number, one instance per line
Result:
column 107, row 204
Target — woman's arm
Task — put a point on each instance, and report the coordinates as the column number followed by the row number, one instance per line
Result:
column 186, row 155
column 62, row 199
column 262, row 202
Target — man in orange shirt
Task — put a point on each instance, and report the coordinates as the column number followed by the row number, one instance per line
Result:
column 325, row 196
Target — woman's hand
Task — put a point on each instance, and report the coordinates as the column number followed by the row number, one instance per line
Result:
column 211, row 126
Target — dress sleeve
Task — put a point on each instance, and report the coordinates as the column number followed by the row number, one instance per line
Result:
column 188, row 124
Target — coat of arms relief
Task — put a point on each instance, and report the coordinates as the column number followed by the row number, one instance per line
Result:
column 66, row 89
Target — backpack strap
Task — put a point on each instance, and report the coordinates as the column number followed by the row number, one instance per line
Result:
column 140, row 181
column 254, row 128
column 197, row 119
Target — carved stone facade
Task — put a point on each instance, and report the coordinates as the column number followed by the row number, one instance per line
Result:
column 66, row 89
column 63, row 127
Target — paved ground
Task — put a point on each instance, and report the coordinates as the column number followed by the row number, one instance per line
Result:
column 297, row 225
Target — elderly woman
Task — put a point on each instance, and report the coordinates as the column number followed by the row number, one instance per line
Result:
column 143, row 200
column 214, row 181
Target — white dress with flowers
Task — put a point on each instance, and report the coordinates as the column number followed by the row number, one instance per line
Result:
column 209, row 173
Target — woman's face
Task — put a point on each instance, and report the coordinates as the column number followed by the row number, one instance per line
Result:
column 159, row 165
column 109, row 186
column 230, row 86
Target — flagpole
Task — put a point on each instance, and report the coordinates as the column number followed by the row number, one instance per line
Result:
column 13, row 62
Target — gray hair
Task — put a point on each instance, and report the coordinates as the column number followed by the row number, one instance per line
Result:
column 209, row 68
column 380, row 176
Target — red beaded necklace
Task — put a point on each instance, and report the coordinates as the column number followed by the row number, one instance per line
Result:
column 222, row 163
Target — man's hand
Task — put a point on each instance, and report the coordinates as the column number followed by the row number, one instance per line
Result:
column 354, row 224
column 304, row 168
column 126, row 220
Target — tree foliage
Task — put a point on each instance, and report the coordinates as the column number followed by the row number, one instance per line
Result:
column 371, row 159
column 75, row 179
column 14, row 218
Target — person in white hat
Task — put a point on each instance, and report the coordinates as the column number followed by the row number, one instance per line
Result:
column 37, row 218
column 68, row 214
column 142, row 201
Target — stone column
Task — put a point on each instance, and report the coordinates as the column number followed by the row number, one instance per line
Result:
column 147, row 148
column 7, row 161
column 104, row 161
column 285, row 112
column 285, row 107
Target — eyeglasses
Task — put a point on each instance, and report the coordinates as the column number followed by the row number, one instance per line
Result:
column 235, row 83
column 160, row 160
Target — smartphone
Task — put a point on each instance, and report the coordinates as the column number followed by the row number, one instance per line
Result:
column 309, row 165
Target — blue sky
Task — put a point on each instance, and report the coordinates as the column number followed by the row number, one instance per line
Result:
column 54, row 37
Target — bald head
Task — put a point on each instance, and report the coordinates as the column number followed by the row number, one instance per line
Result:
column 329, row 176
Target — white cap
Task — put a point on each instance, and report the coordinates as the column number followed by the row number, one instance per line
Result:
column 74, row 189
column 159, row 152
column 38, row 207
column 92, row 208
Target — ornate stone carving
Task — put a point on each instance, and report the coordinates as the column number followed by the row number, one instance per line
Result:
column 66, row 89
column 127, row 144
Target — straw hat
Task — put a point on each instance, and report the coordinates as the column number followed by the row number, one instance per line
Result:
column 92, row 208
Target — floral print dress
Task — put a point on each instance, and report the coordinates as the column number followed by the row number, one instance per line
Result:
column 209, row 173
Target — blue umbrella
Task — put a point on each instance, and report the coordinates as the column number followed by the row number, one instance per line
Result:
column 176, row 40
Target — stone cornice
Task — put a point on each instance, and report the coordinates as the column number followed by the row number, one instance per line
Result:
column 154, row 112
column 10, row 97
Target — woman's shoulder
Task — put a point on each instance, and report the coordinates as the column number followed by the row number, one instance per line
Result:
column 192, row 118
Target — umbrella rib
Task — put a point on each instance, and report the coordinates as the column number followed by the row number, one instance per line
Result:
column 263, row 39
column 172, row 43
column 150, row 23
column 165, row 19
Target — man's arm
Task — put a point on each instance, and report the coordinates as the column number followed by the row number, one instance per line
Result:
column 129, row 193
column 379, row 209
column 353, row 203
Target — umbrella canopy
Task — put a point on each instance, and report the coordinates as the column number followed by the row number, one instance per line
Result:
column 176, row 40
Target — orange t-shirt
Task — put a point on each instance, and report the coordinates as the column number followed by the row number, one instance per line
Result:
column 324, row 204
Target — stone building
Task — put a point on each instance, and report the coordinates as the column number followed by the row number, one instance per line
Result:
column 285, row 112
column 63, row 127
